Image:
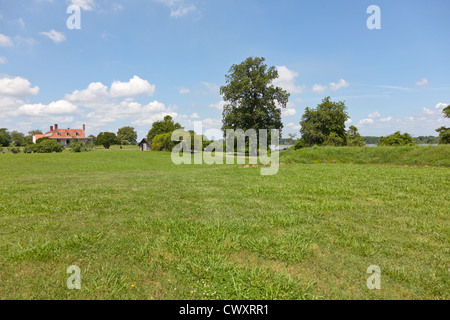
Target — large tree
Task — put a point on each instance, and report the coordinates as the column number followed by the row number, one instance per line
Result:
column 162, row 127
column 325, row 124
column 127, row 135
column 252, row 102
column 18, row 138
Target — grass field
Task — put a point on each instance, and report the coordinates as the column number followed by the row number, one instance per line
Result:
column 140, row 227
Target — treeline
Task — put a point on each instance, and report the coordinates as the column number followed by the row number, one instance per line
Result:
column 417, row 140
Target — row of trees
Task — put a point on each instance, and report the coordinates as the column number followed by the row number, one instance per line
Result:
column 252, row 102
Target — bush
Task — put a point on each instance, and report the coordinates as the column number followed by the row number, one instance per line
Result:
column 28, row 149
column 47, row 146
column 397, row 139
column 14, row 149
column 76, row 146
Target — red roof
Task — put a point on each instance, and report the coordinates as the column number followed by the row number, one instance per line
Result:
column 62, row 134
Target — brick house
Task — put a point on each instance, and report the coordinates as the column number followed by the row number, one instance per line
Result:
column 65, row 136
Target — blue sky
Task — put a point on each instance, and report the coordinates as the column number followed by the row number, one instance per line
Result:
column 134, row 61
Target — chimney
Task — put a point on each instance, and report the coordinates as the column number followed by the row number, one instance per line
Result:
column 56, row 127
column 51, row 128
column 84, row 127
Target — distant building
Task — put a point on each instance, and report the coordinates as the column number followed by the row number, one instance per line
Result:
column 65, row 136
column 144, row 145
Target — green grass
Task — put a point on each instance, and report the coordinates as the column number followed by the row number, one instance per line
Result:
column 413, row 156
column 140, row 227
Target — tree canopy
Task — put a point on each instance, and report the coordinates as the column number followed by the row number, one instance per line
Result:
column 127, row 135
column 106, row 139
column 5, row 137
column 252, row 102
column 325, row 124
column 162, row 127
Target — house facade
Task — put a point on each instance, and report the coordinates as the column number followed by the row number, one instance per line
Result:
column 144, row 145
column 65, row 136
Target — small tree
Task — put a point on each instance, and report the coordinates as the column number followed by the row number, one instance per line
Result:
column 127, row 135
column 106, row 139
column 354, row 139
column 397, row 139
column 325, row 124
column 162, row 127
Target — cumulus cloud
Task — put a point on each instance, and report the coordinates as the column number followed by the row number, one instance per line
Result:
column 5, row 41
column 17, row 87
column 365, row 121
column 184, row 91
column 61, row 107
column 286, row 80
column 374, row 115
column 318, row 88
column 340, row 85
column 132, row 88
column 422, row 83
column 289, row 112
column 54, row 35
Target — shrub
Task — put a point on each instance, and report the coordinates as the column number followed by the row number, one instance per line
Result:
column 28, row 149
column 397, row 139
column 163, row 142
column 47, row 146
column 76, row 146
column 14, row 149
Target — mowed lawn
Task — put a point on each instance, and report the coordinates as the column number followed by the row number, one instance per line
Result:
column 140, row 227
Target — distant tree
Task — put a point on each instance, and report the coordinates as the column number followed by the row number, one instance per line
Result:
column 29, row 137
column 354, row 139
column 162, row 127
column 325, row 124
column 18, row 138
column 252, row 101
column 397, row 139
column 106, row 139
column 163, row 142
column 127, row 135
column 5, row 138
column 292, row 137
column 77, row 146
column 444, row 132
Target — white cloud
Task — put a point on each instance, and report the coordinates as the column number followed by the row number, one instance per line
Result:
column 365, row 121
column 179, row 8
column 54, row 35
column 95, row 91
column 5, row 41
column 61, row 107
column 184, row 91
column 340, row 85
column 16, row 87
column 374, row 115
column 289, row 112
column 87, row 5
column 388, row 119
column 219, row 105
column 132, row 88
column 286, row 80
column 349, row 121
column 3, row 60
column 423, row 82
column 318, row 88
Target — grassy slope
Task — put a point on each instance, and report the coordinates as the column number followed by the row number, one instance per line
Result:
column 420, row 156
column 141, row 228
